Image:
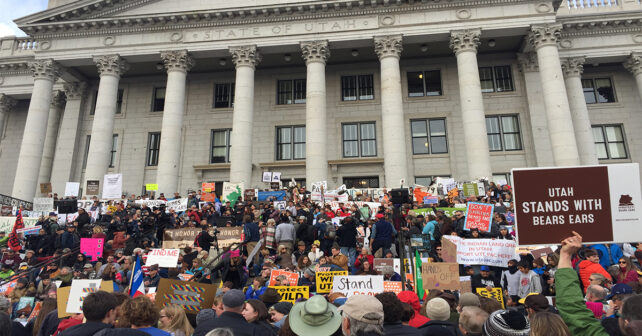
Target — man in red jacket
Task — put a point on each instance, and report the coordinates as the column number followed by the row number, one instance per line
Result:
column 589, row 266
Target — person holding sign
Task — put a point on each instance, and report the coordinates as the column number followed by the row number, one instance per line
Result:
column 484, row 279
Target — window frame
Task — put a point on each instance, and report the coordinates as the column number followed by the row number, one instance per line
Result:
column 292, row 143
column 429, row 135
column 596, row 95
column 354, row 178
column 424, row 92
column 292, row 94
column 228, row 144
column 606, row 142
column 151, row 159
column 359, row 139
column 155, row 100
column 87, row 144
column 231, row 87
column 358, row 87
column 119, row 101
column 495, row 79
column 502, row 133
column 114, row 150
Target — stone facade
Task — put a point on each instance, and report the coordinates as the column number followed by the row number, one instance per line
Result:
column 112, row 57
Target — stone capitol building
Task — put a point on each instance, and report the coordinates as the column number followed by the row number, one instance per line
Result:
column 357, row 92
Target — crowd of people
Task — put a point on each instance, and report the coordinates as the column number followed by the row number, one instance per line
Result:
column 576, row 290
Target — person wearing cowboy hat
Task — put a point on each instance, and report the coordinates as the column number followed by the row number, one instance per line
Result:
column 315, row 316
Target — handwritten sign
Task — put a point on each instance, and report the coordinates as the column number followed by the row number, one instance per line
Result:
column 495, row 293
column 43, row 204
column 491, row 252
column 190, row 296
column 351, row 285
column 92, row 247
column 163, row 257
column 208, row 187
column 431, row 199
column 293, row 278
column 179, row 238
column 478, row 216
column 79, row 290
column 325, row 280
column 392, row 286
column 151, row 187
column 443, row 276
column 293, row 293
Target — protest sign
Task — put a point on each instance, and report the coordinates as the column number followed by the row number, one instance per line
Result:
column 602, row 203
column 208, row 187
column 92, row 247
column 190, row 296
column 293, row 293
column 276, row 177
column 465, row 284
column 325, row 280
column 113, row 186
column 35, row 310
column 280, row 205
column 229, row 235
column 30, row 231
column 428, row 211
column 163, row 257
column 232, row 192
column 45, row 188
column 393, row 286
column 80, row 289
column 208, row 197
column 271, row 195
column 378, row 264
column 71, row 189
column 179, row 205
column 478, row 216
column 431, row 199
column 443, row 276
column 25, row 305
column 541, row 252
column 448, row 250
column 494, row 293
column 179, row 238
column 249, row 194
column 267, row 177
column 350, row 285
column 470, row 189
column 491, row 252
column 43, row 204
column 93, row 187
column 6, row 223
column 62, row 297
column 293, row 278
column 151, row 187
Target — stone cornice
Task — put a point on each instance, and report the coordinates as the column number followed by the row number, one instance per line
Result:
column 69, row 26
column 604, row 24
column 15, row 69
column 315, row 51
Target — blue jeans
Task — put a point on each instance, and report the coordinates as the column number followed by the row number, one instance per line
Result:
column 351, row 253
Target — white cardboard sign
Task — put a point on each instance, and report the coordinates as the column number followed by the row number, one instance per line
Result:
column 163, row 257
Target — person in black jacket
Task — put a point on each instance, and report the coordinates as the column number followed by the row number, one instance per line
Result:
column 232, row 318
column 484, row 280
column 347, row 239
column 100, row 310
column 305, row 231
column 392, row 313
column 83, row 220
column 204, row 239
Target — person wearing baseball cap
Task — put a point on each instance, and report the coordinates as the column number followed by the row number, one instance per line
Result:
column 484, row 279
column 232, row 318
column 362, row 315
column 315, row 316
column 535, row 303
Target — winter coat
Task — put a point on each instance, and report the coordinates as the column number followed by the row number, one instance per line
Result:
column 412, row 299
column 587, row 268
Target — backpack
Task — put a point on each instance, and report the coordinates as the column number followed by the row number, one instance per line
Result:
column 330, row 231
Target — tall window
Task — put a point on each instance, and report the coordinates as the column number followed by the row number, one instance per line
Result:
column 598, row 90
column 429, row 136
column 496, row 79
column 119, row 102
column 359, row 139
column 503, row 133
column 114, row 149
column 500, row 178
column 84, row 161
column 290, row 143
column 609, row 142
column 224, row 95
column 153, row 147
column 220, row 146
column 360, row 87
column 158, row 102
column 424, row 83
column 427, row 180
column 291, row 91
column 361, row 182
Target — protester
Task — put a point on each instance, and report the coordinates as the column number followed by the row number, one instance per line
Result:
column 392, row 315
column 172, row 318
column 438, row 311
column 362, row 315
column 232, row 318
column 100, row 310
column 412, row 299
column 256, row 313
column 315, row 316
column 471, row 320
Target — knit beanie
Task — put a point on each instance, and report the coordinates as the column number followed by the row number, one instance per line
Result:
column 438, row 309
column 204, row 315
column 597, row 308
column 283, row 307
column 507, row 323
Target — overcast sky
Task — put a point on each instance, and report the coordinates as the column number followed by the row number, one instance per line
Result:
column 13, row 9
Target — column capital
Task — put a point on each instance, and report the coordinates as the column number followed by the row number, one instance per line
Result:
column 543, row 35
column 633, row 63
column 177, row 60
column 388, row 46
column 573, row 66
column 112, row 65
column 75, row 90
column 527, row 62
column 6, row 102
column 245, row 56
column 57, row 99
column 45, row 69
column 315, row 51
column 464, row 40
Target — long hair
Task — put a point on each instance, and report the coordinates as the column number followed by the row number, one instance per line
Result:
column 178, row 320
column 545, row 323
column 629, row 267
column 48, row 305
column 260, row 308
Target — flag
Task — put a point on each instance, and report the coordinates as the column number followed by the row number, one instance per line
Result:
column 419, row 285
column 136, row 286
column 14, row 242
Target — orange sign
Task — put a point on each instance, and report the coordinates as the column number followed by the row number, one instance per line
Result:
column 208, row 187
column 208, row 197
column 293, row 278
column 392, row 286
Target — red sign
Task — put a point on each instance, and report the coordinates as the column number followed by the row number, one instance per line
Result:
column 208, row 197
column 293, row 278
column 478, row 216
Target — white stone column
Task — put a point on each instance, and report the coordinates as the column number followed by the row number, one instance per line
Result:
column 573, row 68
column 178, row 63
column 464, row 43
column 558, row 114
column 6, row 105
column 53, row 124
column 634, row 64
column 393, row 125
column 536, row 111
column 245, row 58
column 110, row 68
column 45, row 73
column 65, row 154
column 315, row 54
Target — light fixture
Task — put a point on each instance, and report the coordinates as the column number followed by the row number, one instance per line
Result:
column 424, row 47
column 287, row 57
column 492, row 43
column 222, row 62
column 421, row 76
column 159, row 66
column 355, row 52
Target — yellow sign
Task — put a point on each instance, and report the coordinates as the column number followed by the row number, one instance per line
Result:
column 495, row 293
column 293, row 293
column 325, row 280
column 151, row 187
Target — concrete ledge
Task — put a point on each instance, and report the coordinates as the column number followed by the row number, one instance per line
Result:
column 289, row 163
column 216, row 166
column 355, row 161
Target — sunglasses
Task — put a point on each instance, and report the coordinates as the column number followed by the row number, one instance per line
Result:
column 622, row 262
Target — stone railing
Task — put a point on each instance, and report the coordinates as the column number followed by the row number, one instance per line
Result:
column 11, row 46
column 584, row 7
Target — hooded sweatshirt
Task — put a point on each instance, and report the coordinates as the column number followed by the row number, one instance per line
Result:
column 510, row 280
column 587, row 268
column 412, row 299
